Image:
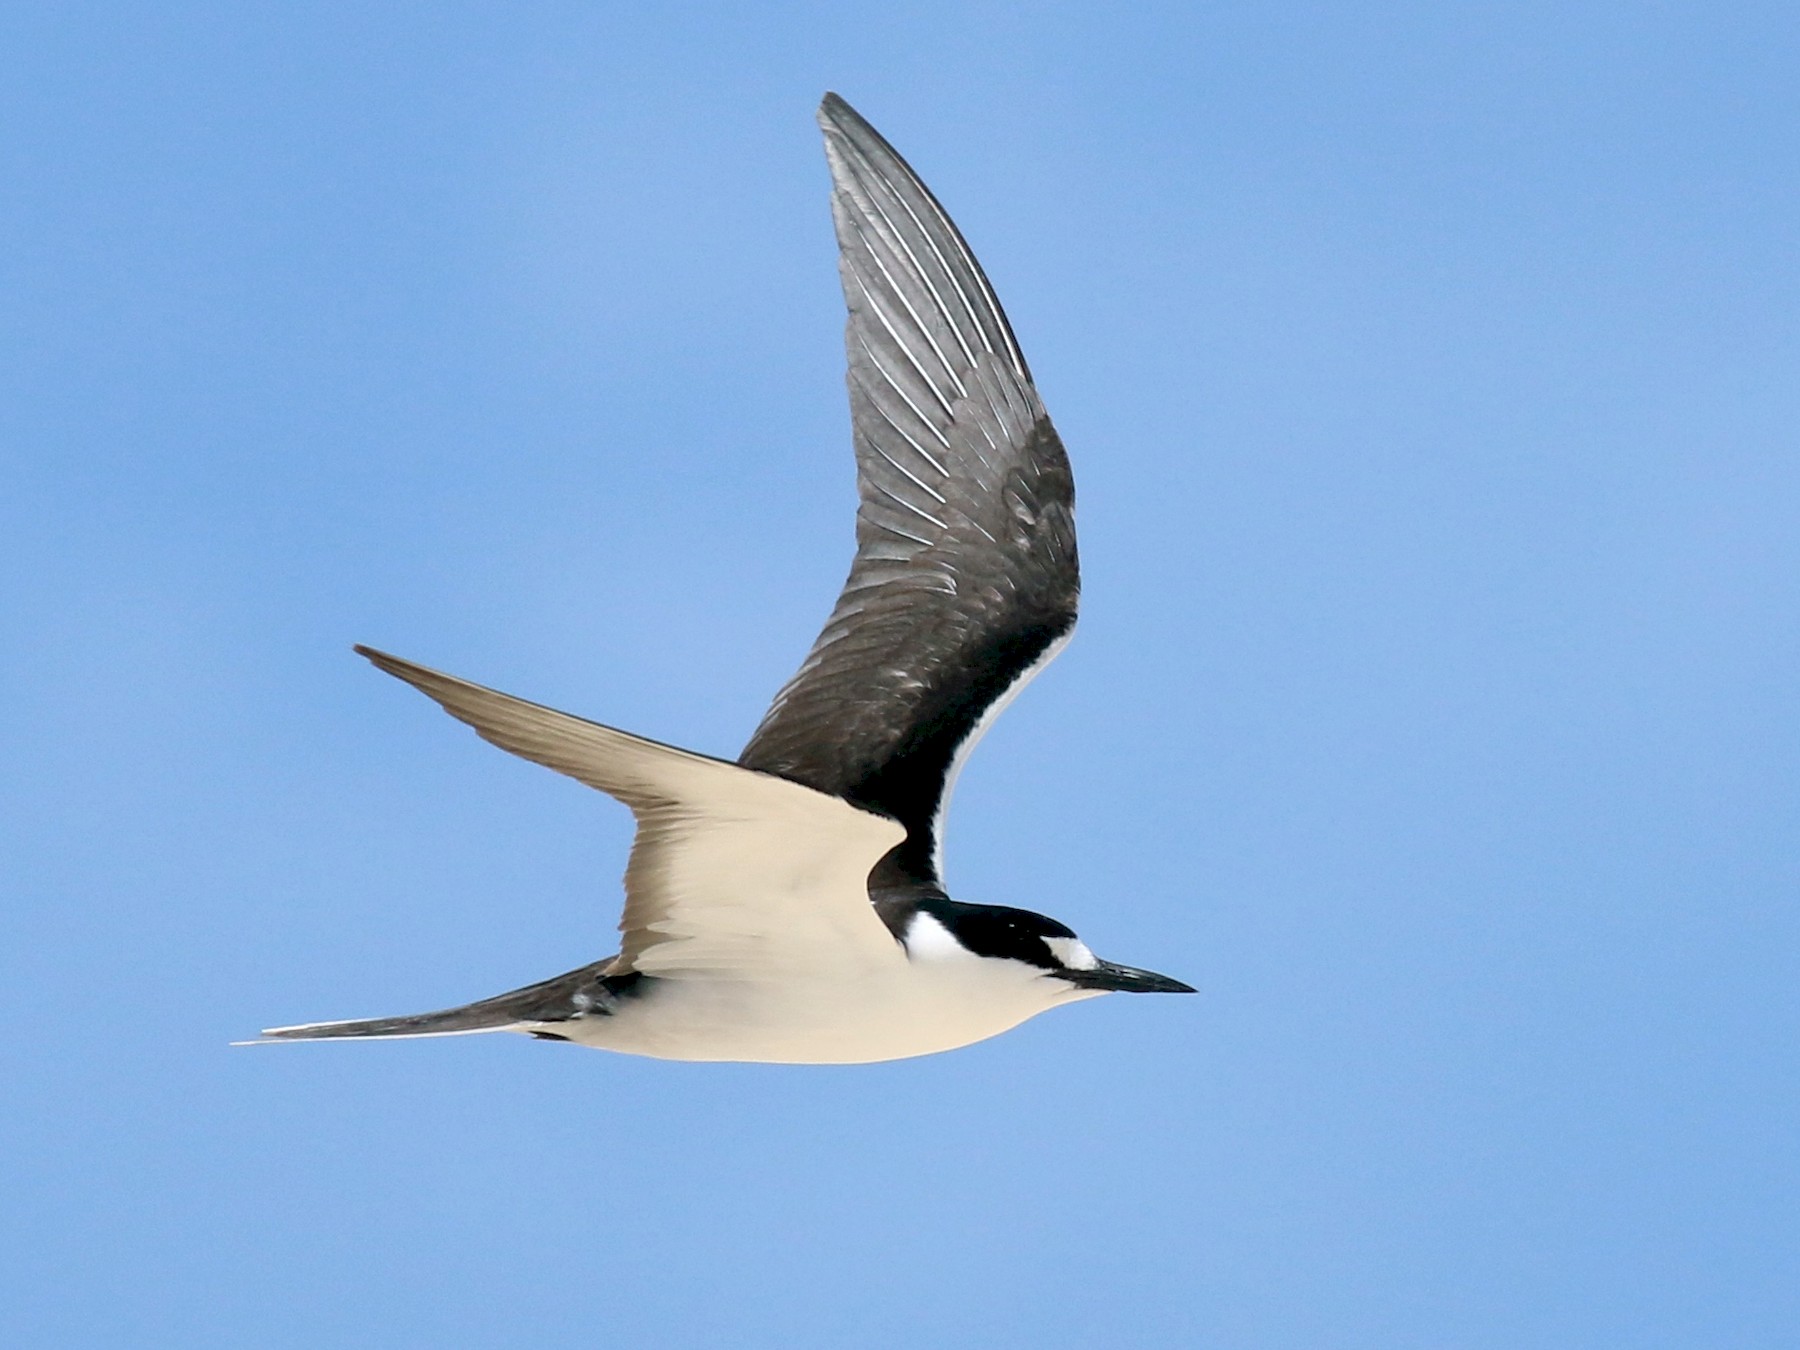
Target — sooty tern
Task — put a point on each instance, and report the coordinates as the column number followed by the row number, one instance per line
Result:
column 789, row 907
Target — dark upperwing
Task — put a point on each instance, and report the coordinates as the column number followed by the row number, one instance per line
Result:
column 965, row 579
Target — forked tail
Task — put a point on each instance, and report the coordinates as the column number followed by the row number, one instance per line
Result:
column 586, row 992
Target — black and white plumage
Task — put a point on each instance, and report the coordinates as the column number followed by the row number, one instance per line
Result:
column 790, row 907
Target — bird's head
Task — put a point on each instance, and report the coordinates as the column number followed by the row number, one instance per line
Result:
column 949, row 929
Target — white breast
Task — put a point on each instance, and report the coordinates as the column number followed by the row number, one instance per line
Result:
column 919, row 1007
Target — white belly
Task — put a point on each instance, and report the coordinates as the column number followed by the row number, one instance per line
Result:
column 914, row 1008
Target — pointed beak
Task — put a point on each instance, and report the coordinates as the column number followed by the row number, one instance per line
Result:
column 1125, row 980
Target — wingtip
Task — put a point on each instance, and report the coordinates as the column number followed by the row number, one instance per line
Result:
column 385, row 661
column 837, row 116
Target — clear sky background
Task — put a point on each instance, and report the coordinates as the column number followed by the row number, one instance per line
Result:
column 1430, row 375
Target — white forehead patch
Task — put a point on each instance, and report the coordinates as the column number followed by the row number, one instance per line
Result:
column 928, row 940
column 1073, row 953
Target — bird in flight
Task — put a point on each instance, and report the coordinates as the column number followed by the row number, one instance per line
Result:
column 790, row 908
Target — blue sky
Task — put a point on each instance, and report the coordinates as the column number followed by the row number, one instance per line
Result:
column 1429, row 374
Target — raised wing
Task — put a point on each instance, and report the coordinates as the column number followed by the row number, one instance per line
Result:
column 965, row 580
column 731, row 869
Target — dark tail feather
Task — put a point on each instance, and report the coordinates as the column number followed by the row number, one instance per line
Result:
column 586, row 991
